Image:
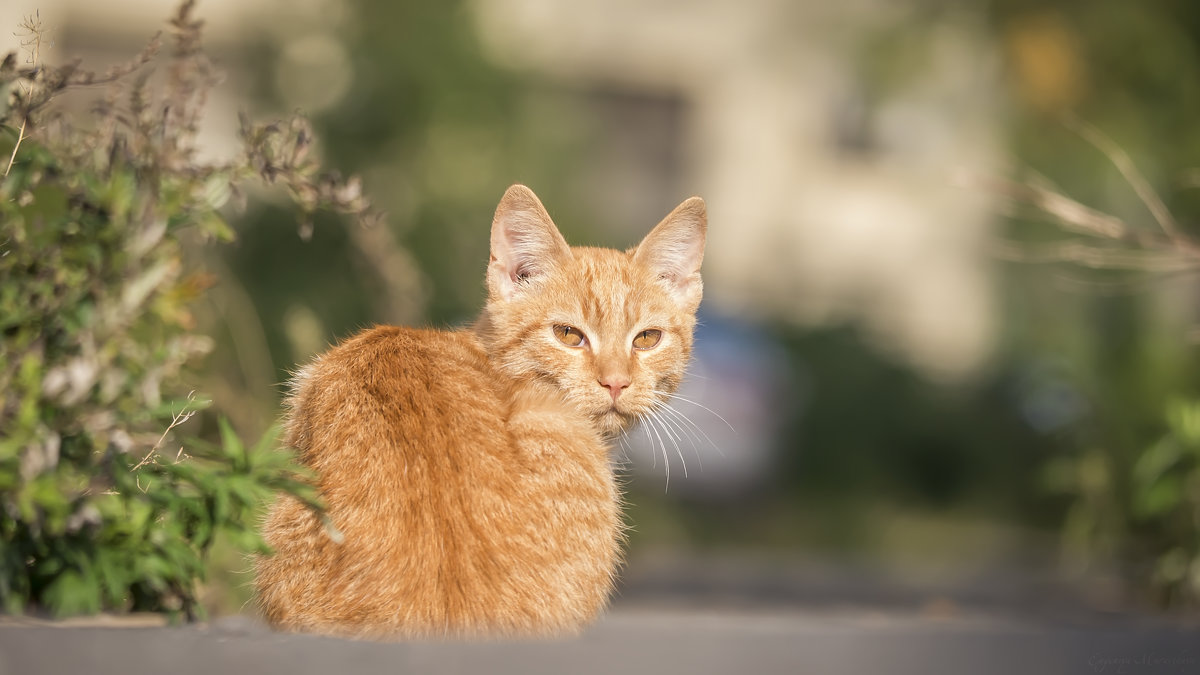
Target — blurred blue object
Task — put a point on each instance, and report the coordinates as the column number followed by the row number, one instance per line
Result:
column 718, row 437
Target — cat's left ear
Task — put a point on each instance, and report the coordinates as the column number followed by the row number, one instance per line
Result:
column 675, row 248
column 525, row 242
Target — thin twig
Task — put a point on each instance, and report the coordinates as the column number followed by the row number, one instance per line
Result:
column 13, row 157
column 1119, row 287
column 1096, row 257
column 1145, row 192
column 179, row 418
column 34, row 29
column 1071, row 215
column 1190, row 179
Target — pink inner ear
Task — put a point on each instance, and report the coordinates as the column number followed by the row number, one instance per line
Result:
column 525, row 241
column 673, row 257
column 675, row 247
column 528, row 251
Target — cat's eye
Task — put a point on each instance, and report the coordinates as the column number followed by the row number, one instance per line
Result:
column 569, row 336
column 647, row 339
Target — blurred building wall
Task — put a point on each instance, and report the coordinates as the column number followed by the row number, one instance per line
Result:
column 828, row 201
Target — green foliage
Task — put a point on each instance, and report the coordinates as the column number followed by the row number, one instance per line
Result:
column 102, row 507
column 1166, row 504
column 1152, row 512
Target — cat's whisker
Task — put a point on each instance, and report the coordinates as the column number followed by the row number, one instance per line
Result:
column 674, row 418
column 671, row 427
column 649, row 421
column 645, row 427
column 658, row 444
column 698, row 405
column 684, row 418
column 670, row 437
column 623, row 440
column 655, row 414
column 679, row 433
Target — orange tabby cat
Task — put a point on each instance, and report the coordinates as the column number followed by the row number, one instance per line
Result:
column 467, row 471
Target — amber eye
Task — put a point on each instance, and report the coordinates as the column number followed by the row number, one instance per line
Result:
column 569, row 336
column 647, row 338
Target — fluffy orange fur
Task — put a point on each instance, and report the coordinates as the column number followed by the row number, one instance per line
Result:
column 466, row 473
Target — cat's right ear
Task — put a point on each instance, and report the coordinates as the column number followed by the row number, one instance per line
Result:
column 525, row 242
column 675, row 248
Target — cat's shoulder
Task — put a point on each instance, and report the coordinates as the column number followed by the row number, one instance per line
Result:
column 384, row 339
column 392, row 375
column 395, row 350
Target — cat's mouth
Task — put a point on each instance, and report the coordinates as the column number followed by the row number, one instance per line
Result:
column 614, row 420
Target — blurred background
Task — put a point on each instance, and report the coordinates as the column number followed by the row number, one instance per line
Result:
column 885, row 408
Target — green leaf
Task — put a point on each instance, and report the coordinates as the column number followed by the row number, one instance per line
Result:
column 216, row 226
column 48, row 205
column 1172, row 566
column 231, row 445
column 1155, row 461
column 1163, row 496
column 73, row 593
column 112, row 572
column 268, row 442
column 1184, row 419
column 1060, row 476
column 246, row 540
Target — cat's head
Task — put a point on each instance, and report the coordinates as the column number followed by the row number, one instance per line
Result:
column 611, row 330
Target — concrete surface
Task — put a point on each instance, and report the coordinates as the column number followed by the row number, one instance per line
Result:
column 629, row 640
column 694, row 615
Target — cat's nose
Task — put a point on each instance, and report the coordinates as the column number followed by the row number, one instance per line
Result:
column 615, row 384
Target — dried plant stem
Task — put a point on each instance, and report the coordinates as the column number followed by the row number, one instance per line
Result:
column 1067, row 213
column 13, row 157
column 179, row 418
column 1096, row 257
column 35, row 31
column 1120, row 159
column 1110, row 243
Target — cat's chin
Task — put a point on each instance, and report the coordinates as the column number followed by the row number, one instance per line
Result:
column 612, row 422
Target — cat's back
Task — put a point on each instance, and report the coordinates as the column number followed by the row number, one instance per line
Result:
column 393, row 387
